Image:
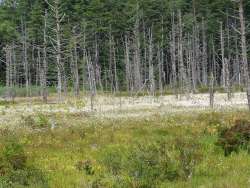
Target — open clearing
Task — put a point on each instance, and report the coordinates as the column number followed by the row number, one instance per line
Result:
column 125, row 142
column 122, row 107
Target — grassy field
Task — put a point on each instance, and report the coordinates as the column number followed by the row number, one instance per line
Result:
column 81, row 149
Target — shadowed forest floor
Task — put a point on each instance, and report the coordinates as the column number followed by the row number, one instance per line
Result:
column 124, row 142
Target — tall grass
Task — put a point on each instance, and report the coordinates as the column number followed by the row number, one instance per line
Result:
column 163, row 151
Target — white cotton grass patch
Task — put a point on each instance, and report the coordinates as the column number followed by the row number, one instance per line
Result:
column 125, row 107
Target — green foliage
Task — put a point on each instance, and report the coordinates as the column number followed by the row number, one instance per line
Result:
column 42, row 120
column 35, row 121
column 149, row 164
column 85, row 166
column 189, row 156
column 177, row 150
column 14, row 154
column 14, row 169
column 235, row 138
column 6, row 103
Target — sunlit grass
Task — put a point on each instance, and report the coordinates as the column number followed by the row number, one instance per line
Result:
column 79, row 138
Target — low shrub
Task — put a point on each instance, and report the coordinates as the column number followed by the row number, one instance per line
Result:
column 14, row 170
column 86, row 166
column 28, row 121
column 189, row 157
column 35, row 121
column 234, row 138
column 7, row 103
column 42, row 120
column 148, row 164
column 14, row 154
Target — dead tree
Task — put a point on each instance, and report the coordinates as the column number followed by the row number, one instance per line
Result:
column 112, row 64
column 196, row 51
column 189, row 57
column 137, row 53
column 84, row 58
column 25, row 57
column 182, row 74
column 204, row 54
column 91, row 81
column 173, row 56
column 244, row 50
column 145, row 54
column 211, row 90
column 228, row 81
column 56, row 41
column 160, row 55
column 128, row 67
column 8, row 64
column 223, row 70
column 160, row 70
column 98, row 70
column 151, row 66
column 74, row 63
column 44, row 67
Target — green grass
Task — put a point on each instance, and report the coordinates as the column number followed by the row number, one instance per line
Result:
column 161, row 151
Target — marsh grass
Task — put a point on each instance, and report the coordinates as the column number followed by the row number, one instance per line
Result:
column 158, row 151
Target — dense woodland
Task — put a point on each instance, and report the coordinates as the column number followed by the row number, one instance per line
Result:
column 123, row 45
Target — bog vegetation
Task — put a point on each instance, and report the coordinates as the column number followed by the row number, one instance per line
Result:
column 209, row 149
column 119, row 54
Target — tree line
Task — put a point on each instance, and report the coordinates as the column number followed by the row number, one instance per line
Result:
column 125, row 45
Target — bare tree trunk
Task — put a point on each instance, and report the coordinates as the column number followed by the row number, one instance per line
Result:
column 44, row 64
column 173, row 56
column 244, row 50
column 115, row 71
column 111, row 60
column 204, row 54
column 25, row 57
column 61, row 76
column 182, row 76
column 214, row 62
column 145, row 66
column 8, row 67
column 137, row 62
column 74, row 66
column 91, row 80
column 223, row 71
column 195, row 60
column 98, row 66
column 128, row 65
column 228, row 81
column 15, row 73
column 189, row 64
column 211, row 90
column 160, row 70
column 237, row 67
column 151, row 66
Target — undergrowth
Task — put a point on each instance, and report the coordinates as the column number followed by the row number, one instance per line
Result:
column 184, row 150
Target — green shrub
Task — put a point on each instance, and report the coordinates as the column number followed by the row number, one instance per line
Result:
column 6, row 103
column 210, row 118
column 35, row 121
column 42, row 120
column 148, row 164
column 86, row 166
column 28, row 121
column 235, row 138
column 151, row 163
column 112, row 158
column 29, row 177
column 14, row 154
column 189, row 156
column 14, row 170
